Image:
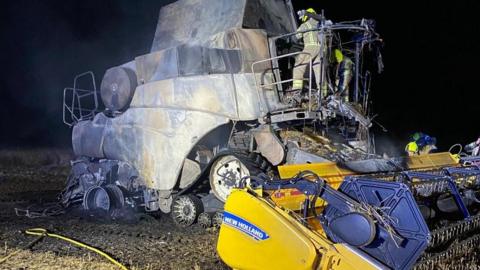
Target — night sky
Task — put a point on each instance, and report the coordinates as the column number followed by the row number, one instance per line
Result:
column 430, row 81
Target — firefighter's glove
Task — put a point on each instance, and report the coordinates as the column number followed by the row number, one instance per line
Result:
column 301, row 13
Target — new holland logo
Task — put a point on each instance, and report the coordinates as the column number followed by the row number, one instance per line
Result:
column 244, row 226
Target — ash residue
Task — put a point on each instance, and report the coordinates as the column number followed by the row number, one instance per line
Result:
column 138, row 241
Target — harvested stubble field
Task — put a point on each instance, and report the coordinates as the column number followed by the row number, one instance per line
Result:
column 34, row 178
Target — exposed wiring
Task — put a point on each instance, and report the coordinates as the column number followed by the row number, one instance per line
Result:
column 51, row 209
column 41, row 233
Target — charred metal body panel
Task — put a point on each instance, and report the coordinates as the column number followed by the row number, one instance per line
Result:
column 204, row 108
column 180, row 22
column 196, row 78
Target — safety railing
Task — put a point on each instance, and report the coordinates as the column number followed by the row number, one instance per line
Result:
column 261, row 86
column 80, row 104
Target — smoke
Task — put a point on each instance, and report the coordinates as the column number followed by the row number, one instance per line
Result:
column 429, row 81
column 47, row 43
column 389, row 145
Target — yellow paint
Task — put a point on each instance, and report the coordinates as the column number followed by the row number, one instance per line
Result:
column 290, row 244
column 329, row 171
column 432, row 161
column 291, row 198
column 334, row 174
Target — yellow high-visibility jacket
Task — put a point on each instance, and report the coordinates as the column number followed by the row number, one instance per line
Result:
column 309, row 38
column 411, row 148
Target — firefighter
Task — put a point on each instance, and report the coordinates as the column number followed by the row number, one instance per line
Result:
column 343, row 74
column 311, row 46
column 412, row 148
column 426, row 144
column 421, row 144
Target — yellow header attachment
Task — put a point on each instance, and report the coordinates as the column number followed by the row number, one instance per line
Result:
column 258, row 235
column 333, row 174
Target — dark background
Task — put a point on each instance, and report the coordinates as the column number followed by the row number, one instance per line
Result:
column 430, row 81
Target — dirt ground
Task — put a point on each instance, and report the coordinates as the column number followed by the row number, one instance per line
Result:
column 33, row 178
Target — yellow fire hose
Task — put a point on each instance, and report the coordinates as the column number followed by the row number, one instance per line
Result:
column 40, row 232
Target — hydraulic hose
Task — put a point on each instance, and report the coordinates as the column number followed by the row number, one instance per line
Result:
column 41, row 233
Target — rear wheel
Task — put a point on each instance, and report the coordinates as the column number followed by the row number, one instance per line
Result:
column 225, row 174
column 186, row 209
column 227, row 171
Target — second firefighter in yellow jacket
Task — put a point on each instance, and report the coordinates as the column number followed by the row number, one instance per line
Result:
column 343, row 74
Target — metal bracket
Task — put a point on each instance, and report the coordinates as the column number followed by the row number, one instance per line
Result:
column 451, row 184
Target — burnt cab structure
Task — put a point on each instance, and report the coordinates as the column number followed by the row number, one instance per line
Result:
column 184, row 123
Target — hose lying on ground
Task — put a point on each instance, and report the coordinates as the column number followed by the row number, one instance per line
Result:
column 40, row 232
column 29, row 245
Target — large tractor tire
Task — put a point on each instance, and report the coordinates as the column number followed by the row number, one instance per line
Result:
column 227, row 171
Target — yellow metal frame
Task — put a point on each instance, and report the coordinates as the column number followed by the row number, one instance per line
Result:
column 334, row 175
column 432, row 161
column 290, row 244
column 294, row 243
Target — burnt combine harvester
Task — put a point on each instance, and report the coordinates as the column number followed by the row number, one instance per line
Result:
column 208, row 105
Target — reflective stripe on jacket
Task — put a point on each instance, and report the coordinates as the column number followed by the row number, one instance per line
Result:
column 344, row 74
